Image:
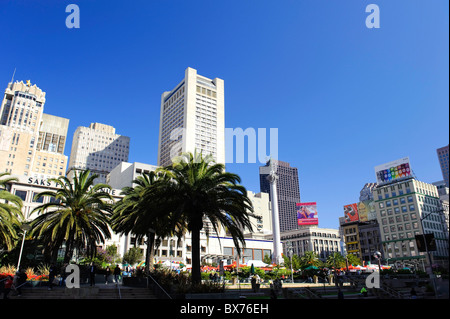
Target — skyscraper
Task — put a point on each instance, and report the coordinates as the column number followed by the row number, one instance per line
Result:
column 442, row 154
column 31, row 142
column 192, row 119
column 99, row 149
column 288, row 190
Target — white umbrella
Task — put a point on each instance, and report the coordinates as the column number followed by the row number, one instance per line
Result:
column 256, row 263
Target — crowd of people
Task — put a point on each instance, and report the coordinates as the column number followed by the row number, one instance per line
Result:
column 57, row 277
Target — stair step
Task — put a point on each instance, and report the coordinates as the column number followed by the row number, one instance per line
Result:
column 89, row 293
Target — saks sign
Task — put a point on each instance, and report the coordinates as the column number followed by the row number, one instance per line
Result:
column 49, row 183
column 41, row 182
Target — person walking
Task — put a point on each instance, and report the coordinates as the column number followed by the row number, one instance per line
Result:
column 364, row 291
column 107, row 274
column 51, row 276
column 16, row 281
column 62, row 275
column 413, row 293
column 117, row 274
column 8, row 286
column 21, row 280
column 92, row 271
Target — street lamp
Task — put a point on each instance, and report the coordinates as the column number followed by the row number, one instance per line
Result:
column 171, row 251
column 377, row 256
column 290, row 251
column 25, row 228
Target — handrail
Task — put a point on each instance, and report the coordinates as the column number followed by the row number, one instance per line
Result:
column 391, row 291
column 118, row 288
column 311, row 293
column 159, row 286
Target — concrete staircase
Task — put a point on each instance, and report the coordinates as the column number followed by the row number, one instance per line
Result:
column 101, row 292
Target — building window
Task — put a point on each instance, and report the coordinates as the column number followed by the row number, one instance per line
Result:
column 21, row 194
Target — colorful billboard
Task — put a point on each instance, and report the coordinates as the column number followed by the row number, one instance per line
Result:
column 366, row 210
column 351, row 213
column 307, row 214
column 393, row 171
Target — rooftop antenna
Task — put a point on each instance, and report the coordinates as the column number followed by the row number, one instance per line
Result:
column 12, row 79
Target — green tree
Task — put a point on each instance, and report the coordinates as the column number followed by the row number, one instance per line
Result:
column 267, row 259
column 77, row 215
column 133, row 256
column 201, row 190
column 111, row 251
column 353, row 260
column 295, row 259
column 141, row 212
column 10, row 214
column 296, row 262
column 335, row 260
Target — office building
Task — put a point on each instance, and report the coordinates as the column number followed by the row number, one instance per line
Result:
column 442, row 154
column 123, row 174
column 361, row 239
column 31, row 142
column 99, row 149
column 262, row 223
column 323, row 241
column 366, row 192
column 288, row 191
column 444, row 191
column 192, row 119
column 404, row 209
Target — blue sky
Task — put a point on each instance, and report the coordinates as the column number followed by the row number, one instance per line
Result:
column 344, row 98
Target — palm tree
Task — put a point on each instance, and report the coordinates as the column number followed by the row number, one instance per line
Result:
column 353, row 260
column 310, row 258
column 77, row 215
column 201, row 190
column 140, row 212
column 10, row 213
column 335, row 260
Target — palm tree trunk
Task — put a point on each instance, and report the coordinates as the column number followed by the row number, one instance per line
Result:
column 70, row 245
column 196, row 272
column 68, row 252
column 52, row 254
column 150, row 252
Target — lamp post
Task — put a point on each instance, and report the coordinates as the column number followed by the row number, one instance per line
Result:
column 25, row 228
column 377, row 256
column 171, row 251
column 290, row 251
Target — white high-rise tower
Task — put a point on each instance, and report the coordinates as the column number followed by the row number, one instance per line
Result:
column 192, row 119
